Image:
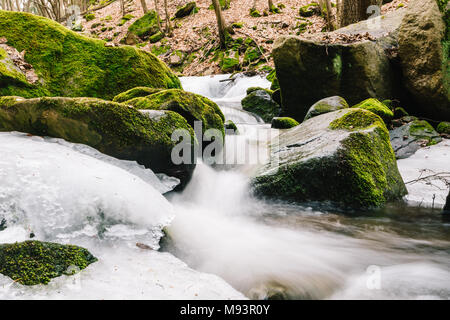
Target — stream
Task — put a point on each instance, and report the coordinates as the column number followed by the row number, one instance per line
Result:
column 220, row 243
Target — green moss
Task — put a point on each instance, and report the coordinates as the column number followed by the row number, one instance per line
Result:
column 187, row 9
column 192, row 107
column 422, row 130
column 284, row 123
column 231, row 127
column 254, row 13
column 134, row 93
column 376, row 107
column 251, row 55
column 444, row 127
column 89, row 17
column 229, row 61
column 237, row 25
column 272, row 77
column 145, row 26
column 156, row 37
column 252, row 89
column 260, row 102
column 309, row 9
column 73, row 65
column 358, row 119
column 36, row 262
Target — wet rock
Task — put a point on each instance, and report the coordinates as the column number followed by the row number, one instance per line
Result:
column 343, row 157
column 329, row 104
column 261, row 103
column 115, row 129
column 410, row 137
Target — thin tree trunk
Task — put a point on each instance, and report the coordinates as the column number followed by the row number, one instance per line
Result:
column 270, row 5
column 122, row 7
column 355, row 10
column 220, row 23
column 168, row 25
column 157, row 14
column 144, row 6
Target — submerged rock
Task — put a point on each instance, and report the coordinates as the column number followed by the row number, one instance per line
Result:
column 261, row 103
column 69, row 64
column 410, row 137
column 112, row 128
column 326, row 105
column 191, row 106
column 343, row 157
column 36, row 262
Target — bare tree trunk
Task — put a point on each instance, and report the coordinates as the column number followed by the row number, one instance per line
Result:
column 168, row 25
column 270, row 5
column 325, row 8
column 355, row 10
column 157, row 14
column 122, row 7
column 144, row 6
column 220, row 23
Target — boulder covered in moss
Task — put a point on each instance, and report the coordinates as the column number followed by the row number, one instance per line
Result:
column 187, row 9
column 69, row 64
column 343, row 157
column 134, row 93
column 261, row 103
column 444, row 128
column 329, row 104
column 308, row 70
column 230, row 127
column 35, row 262
column 376, row 107
column 191, row 106
column 309, row 10
column 283, row 123
column 146, row 26
column 410, row 137
column 115, row 129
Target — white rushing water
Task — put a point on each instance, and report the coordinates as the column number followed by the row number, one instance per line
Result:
column 71, row 193
column 265, row 249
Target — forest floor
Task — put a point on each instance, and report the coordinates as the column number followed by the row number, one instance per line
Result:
column 195, row 36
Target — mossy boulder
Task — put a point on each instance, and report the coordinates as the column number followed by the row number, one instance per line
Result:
column 343, row 157
column 308, row 70
column 191, row 106
column 134, row 93
column 309, row 10
column 69, row 64
column 187, row 9
column 443, row 127
column 329, row 104
column 410, row 137
column 112, row 128
column 284, row 123
column 35, row 262
column 376, row 107
column 260, row 103
column 253, row 89
column 145, row 26
column 230, row 127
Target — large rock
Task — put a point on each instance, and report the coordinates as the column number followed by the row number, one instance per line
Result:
column 311, row 69
column 69, row 64
column 410, row 137
column 343, row 156
column 112, row 128
column 36, row 262
column 260, row 102
column 191, row 106
column 146, row 26
column 426, row 70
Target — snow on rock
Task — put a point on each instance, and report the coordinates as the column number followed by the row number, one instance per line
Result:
column 432, row 162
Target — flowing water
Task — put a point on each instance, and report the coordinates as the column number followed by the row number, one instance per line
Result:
column 70, row 193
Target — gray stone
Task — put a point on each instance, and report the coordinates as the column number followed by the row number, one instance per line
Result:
column 326, row 105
